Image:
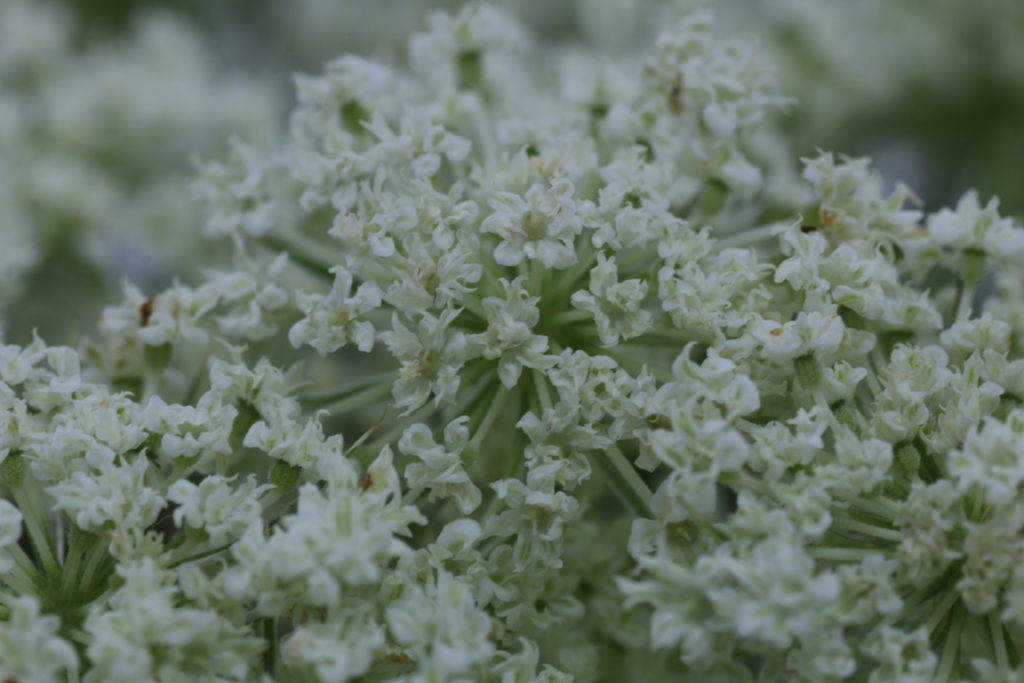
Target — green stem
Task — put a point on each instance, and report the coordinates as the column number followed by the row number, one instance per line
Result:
column 995, row 627
column 73, row 561
column 747, row 237
column 96, row 554
column 359, row 399
column 932, row 589
column 481, row 385
column 570, row 281
column 473, row 305
column 867, row 529
column 297, row 255
column 20, row 582
column 951, row 647
column 327, row 398
column 79, row 636
column 570, row 316
column 536, row 283
column 199, row 556
column 740, row 479
column 270, row 654
column 635, row 486
column 540, row 384
column 843, row 554
column 940, row 609
column 965, row 302
column 493, row 411
column 879, row 506
column 24, row 563
column 39, row 535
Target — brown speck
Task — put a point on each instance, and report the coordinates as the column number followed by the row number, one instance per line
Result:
column 367, row 482
column 828, row 217
column 398, row 658
column 777, row 331
column 656, row 421
column 675, row 102
column 146, row 310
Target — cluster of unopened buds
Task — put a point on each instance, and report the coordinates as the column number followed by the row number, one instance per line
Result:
column 594, row 387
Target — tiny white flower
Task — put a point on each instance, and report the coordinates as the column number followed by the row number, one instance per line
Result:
column 539, row 226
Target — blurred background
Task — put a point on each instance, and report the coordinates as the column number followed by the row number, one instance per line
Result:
column 104, row 106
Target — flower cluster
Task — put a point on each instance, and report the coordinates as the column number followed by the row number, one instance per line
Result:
column 95, row 138
column 595, row 388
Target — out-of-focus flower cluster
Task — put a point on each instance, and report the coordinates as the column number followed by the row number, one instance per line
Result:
column 598, row 384
column 934, row 89
column 95, row 140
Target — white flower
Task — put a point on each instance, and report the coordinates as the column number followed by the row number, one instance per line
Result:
column 236, row 195
column 992, row 458
column 616, row 305
column 114, row 498
column 201, row 431
column 971, row 226
column 440, row 468
column 431, row 358
column 509, row 336
column 427, row 280
column 342, row 647
column 215, row 507
column 31, row 648
column 809, row 333
column 442, row 625
column 541, row 225
column 298, row 443
column 146, row 633
column 332, row 320
column 901, row 656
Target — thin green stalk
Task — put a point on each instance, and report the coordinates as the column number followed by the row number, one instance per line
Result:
column 868, row 529
column 480, row 408
column 24, row 563
column 73, row 561
column 842, row 554
column 570, row 316
column 965, row 302
column 570, row 281
column 875, row 365
column 397, row 428
column 742, row 479
column 540, row 384
column 328, row 398
column 511, row 464
column 748, row 237
column 297, row 254
column 995, row 627
column 79, row 636
column 536, row 283
column 39, row 535
column 473, row 305
column 97, row 553
column 493, row 411
column 876, row 506
column 933, row 588
column 940, row 609
column 634, row 484
column 951, row 648
column 359, row 398
column 22, row 584
column 199, row 556
column 271, row 636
